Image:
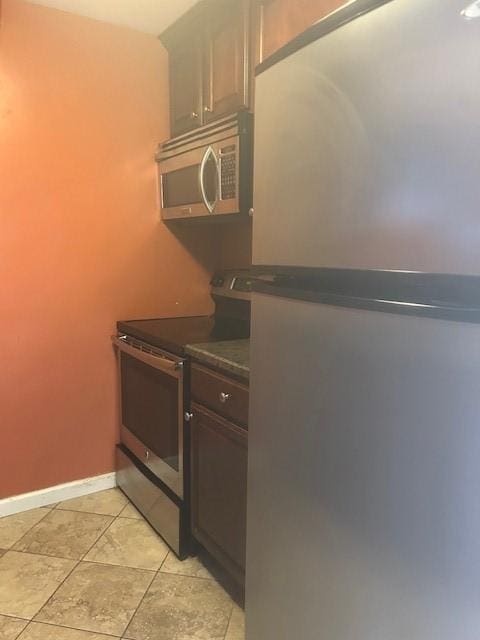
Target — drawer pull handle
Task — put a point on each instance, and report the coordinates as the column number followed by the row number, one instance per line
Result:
column 224, row 397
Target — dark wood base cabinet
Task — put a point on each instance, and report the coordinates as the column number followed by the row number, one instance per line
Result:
column 219, row 488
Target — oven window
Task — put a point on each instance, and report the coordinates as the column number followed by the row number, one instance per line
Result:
column 181, row 187
column 150, row 408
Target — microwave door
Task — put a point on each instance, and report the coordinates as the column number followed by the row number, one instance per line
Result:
column 180, row 188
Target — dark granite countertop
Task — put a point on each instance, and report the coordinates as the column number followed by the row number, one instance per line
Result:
column 229, row 356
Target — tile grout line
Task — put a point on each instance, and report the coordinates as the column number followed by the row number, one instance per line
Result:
column 100, row 536
column 76, row 564
column 187, row 575
column 32, row 619
column 139, row 604
column 42, row 555
column 93, row 513
column 62, row 626
column 110, row 564
column 181, row 575
column 229, row 620
column 64, row 580
column 58, row 506
column 144, row 520
column 155, row 572
column 9, row 615
column 51, row 555
column 82, row 559
column 48, row 511
column 24, row 628
column 169, row 551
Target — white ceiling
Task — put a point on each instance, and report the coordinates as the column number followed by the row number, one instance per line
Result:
column 149, row 16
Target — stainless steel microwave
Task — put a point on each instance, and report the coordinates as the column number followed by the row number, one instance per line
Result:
column 208, row 171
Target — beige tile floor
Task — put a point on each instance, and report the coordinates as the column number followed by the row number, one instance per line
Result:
column 91, row 568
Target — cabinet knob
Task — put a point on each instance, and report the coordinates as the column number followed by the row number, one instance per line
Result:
column 251, row 211
column 188, row 416
column 147, row 454
column 224, row 397
column 194, row 115
column 207, row 109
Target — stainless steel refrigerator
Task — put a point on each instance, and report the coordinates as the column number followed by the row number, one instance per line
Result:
column 364, row 439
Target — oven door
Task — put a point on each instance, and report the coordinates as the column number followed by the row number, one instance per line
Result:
column 152, row 408
column 189, row 183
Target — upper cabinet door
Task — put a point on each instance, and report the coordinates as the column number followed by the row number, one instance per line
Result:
column 226, row 80
column 185, row 85
column 279, row 21
column 209, row 62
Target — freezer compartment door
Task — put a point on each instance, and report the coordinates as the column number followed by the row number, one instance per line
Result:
column 364, row 475
column 366, row 145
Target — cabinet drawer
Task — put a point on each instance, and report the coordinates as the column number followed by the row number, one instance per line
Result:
column 222, row 395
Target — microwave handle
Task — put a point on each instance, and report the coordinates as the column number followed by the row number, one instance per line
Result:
column 210, row 205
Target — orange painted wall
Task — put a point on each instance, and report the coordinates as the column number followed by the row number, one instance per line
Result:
column 82, row 106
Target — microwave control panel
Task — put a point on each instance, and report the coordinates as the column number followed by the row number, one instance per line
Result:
column 228, row 172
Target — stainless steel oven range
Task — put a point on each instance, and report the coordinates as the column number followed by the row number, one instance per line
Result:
column 153, row 454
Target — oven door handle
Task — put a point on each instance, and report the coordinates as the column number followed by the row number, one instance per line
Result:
column 169, row 366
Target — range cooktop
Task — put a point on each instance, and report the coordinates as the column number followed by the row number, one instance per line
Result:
column 231, row 321
column 173, row 334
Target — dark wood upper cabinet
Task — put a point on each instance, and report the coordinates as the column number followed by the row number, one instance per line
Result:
column 185, row 85
column 209, row 52
column 279, row 21
column 215, row 46
column 227, row 78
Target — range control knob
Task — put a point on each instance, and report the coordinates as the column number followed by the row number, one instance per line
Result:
column 217, row 280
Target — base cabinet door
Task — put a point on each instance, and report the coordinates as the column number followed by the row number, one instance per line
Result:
column 219, row 488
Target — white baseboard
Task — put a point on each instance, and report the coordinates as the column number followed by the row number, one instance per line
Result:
column 60, row 492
